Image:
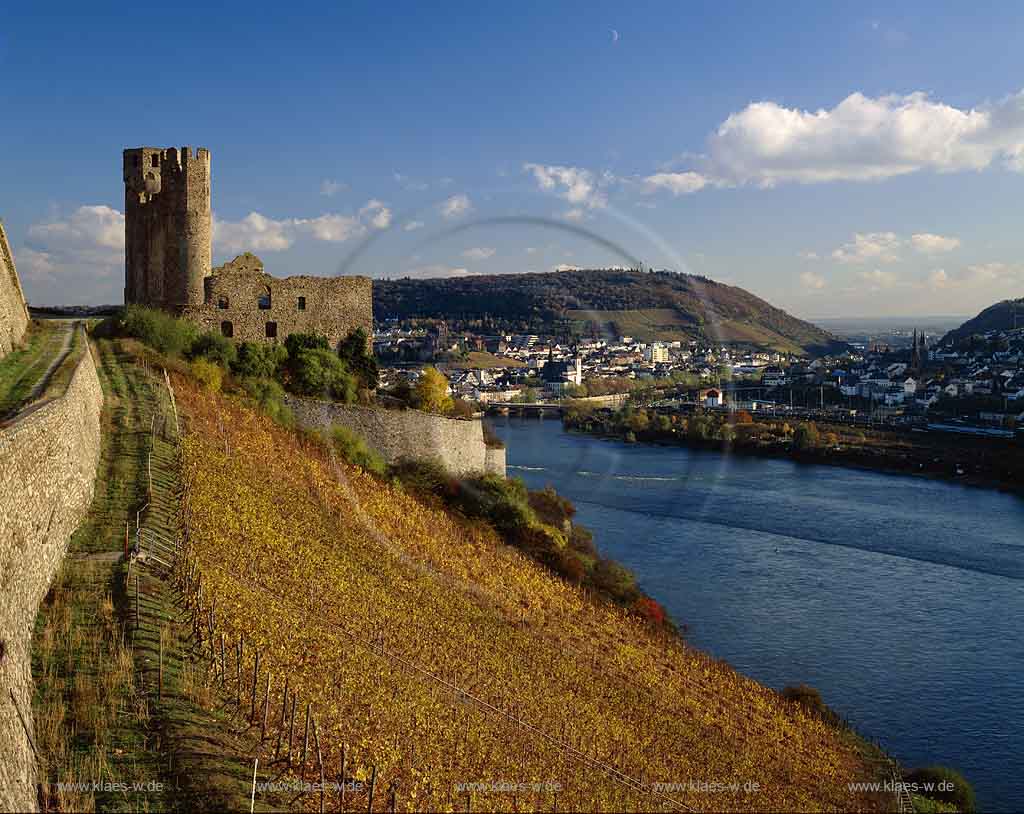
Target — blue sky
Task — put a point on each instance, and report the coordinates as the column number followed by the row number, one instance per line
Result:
column 838, row 160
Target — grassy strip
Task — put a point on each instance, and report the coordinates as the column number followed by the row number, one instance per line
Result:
column 59, row 380
column 21, row 370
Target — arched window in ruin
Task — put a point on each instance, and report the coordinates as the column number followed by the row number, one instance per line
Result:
column 271, row 330
column 302, row 303
column 264, row 301
column 227, row 329
column 222, row 301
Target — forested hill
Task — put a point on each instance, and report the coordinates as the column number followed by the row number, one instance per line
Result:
column 646, row 305
column 998, row 317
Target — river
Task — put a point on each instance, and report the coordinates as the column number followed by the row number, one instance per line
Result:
column 900, row 598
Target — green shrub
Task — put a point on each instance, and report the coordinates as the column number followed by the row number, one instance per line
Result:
column 209, row 374
column 269, row 397
column 615, row 580
column 572, row 566
column 359, row 361
column 502, row 501
column 300, row 342
column 948, row 785
column 258, row 360
column 351, row 446
column 162, row 332
column 318, row 372
column 582, row 540
column 806, row 436
column 810, row 699
column 551, row 507
column 215, row 348
column 425, row 477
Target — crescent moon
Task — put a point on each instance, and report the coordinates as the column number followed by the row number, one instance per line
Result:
column 615, row 35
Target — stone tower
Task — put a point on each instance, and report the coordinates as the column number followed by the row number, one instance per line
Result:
column 167, row 226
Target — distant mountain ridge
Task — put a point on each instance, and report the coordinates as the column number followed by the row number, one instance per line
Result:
column 998, row 317
column 649, row 305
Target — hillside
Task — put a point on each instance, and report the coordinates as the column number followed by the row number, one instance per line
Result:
column 455, row 672
column 647, row 305
column 998, row 317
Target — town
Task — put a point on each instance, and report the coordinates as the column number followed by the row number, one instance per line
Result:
column 970, row 385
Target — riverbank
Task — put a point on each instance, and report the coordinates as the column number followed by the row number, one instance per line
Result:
column 979, row 462
column 857, row 583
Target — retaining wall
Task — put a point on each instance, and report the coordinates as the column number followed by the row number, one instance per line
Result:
column 48, row 460
column 457, row 443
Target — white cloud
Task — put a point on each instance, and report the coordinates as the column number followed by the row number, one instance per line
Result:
column 863, row 139
column 878, row 279
column 330, row 187
column 577, row 186
column 479, row 253
column 994, row 271
column 678, row 183
column 456, row 206
column 927, row 243
column 566, row 267
column 378, row 214
column 254, row 232
column 74, row 258
column 329, row 228
column 36, row 265
column 575, row 214
column 258, row 233
column 873, row 247
column 88, row 227
column 811, row 280
column 413, row 225
column 989, row 280
column 808, row 255
column 531, row 249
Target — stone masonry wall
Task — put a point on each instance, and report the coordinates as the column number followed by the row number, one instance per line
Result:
column 13, row 311
column 457, row 443
column 328, row 306
column 48, row 459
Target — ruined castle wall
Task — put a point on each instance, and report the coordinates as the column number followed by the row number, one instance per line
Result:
column 328, row 306
column 48, row 460
column 13, row 311
column 458, row 444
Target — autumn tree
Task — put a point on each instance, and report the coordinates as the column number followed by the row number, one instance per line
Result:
column 432, row 392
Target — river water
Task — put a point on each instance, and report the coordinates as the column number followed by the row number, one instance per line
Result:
column 901, row 599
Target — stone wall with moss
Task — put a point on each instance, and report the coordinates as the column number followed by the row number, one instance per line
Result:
column 48, row 460
column 13, row 311
column 458, row 444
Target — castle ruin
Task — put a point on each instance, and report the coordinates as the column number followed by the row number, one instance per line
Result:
column 14, row 317
column 168, row 234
